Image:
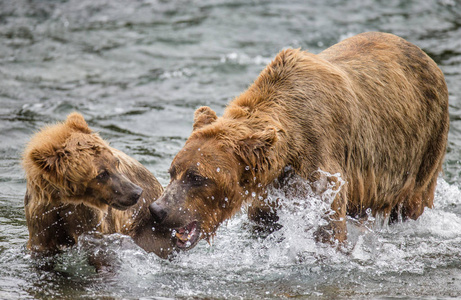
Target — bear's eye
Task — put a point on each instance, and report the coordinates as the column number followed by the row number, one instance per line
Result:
column 196, row 179
column 103, row 175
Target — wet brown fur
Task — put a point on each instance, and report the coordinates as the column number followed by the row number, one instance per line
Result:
column 61, row 163
column 373, row 108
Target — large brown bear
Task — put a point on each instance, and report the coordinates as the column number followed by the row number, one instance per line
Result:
column 373, row 108
column 77, row 183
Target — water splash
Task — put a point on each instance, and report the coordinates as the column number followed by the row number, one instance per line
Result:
column 241, row 259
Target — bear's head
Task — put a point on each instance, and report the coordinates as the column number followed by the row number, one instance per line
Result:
column 69, row 163
column 221, row 165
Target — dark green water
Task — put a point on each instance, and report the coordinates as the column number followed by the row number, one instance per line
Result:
column 137, row 70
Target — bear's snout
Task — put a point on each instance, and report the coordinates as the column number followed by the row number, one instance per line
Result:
column 124, row 192
column 130, row 198
column 157, row 212
column 136, row 194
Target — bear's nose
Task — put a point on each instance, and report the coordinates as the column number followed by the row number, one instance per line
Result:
column 136, row 194
column 157, row 212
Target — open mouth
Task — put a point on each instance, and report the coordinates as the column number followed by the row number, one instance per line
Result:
column 187, row 236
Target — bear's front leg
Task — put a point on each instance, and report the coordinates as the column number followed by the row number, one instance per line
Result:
column 264, row 215
column 335, row 230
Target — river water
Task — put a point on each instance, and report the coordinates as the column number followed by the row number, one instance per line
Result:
column 137, row 70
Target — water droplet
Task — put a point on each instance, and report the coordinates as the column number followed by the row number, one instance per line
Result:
column 253, row 194
column 218, row 169
column 198, row 164
column 246, row 192
column 212, row 197
column 247, row 168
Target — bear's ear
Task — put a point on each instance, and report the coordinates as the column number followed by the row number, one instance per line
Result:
column 265, row 139
column 45, row 159
column 204, row 116
column 253, row 150
column 77, row 122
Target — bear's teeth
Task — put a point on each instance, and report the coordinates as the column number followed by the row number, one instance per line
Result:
column 181, row 237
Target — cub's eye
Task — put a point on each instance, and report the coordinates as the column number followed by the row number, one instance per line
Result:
column 103, row 175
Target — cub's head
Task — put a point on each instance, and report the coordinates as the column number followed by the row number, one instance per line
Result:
column 219, row 168
column 69, row 163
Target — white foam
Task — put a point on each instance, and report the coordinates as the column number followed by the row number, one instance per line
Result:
column 238, row 256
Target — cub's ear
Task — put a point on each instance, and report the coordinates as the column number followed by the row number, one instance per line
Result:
column 204, row 116
column 77, row 122
column 45, row 159
column 49, row 164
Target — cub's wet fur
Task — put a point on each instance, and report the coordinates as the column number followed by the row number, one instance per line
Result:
column 77, row 183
